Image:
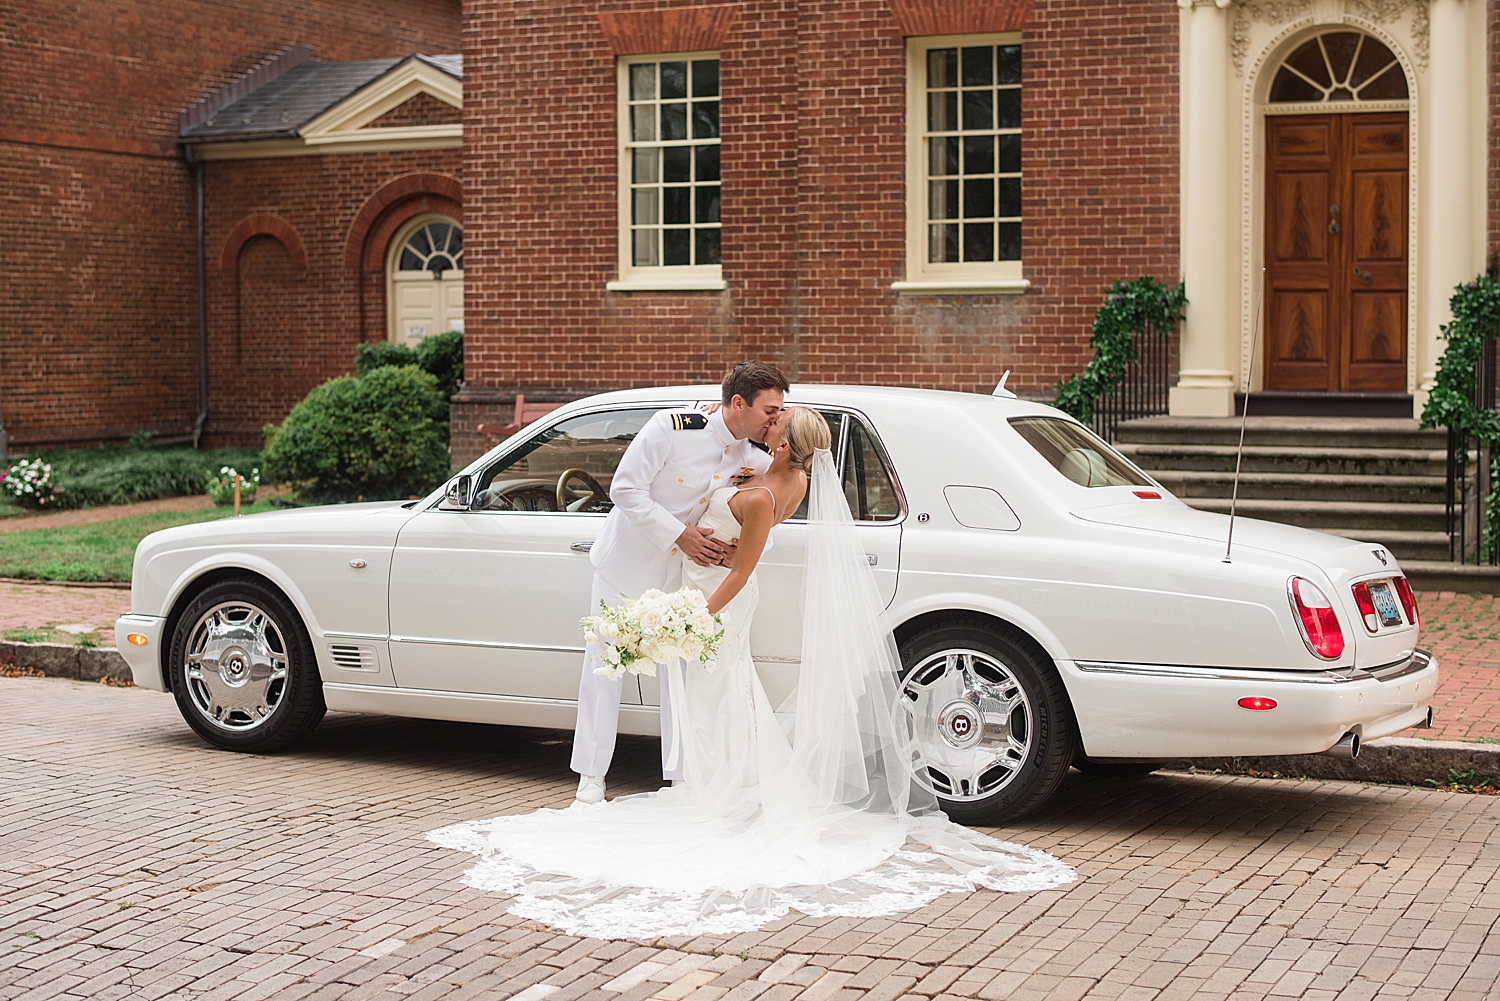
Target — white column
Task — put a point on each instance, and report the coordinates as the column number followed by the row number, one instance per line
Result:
column 1445, row 255
column 1205, row 387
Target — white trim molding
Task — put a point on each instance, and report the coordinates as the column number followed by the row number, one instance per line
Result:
column 996, row 286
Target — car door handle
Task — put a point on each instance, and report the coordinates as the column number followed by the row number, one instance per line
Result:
column 874, row 560
column 581, row 547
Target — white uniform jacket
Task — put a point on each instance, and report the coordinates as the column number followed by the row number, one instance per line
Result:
column 662, row 485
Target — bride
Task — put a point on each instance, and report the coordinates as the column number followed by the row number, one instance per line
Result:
column 812, row 806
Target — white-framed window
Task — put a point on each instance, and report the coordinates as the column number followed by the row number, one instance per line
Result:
column 669, row 172
column 963, row 187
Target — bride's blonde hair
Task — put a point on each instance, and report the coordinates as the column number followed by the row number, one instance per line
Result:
column 807, row 432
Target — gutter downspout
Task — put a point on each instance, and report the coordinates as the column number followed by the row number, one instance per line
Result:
column 202, row 420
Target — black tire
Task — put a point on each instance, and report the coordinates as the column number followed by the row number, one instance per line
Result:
column 261, row 690
column 1116, row 769
column 1009, row 664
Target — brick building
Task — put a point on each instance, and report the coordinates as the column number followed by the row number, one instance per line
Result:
column 916, row 192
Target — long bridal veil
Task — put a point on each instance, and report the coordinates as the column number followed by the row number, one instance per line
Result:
column 815, row 807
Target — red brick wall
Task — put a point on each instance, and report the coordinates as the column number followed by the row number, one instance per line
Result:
column 276, row 329
column 814, row 219
column 98, row 324
column 424, row 109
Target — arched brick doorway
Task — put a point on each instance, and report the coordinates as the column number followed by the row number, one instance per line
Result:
column 389, row 213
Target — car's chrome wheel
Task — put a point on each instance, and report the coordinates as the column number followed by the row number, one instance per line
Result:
column 242, row 667
column 992, row 720
column 235, row 666
column 972, row 722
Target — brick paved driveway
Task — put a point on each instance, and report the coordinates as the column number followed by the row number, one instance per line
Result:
column 137, row 863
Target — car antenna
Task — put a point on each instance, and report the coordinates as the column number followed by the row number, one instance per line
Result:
column 1234, row 495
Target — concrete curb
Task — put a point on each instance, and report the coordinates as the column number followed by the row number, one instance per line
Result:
column 61, row 660
column 1430, row 575
column 1395, row 760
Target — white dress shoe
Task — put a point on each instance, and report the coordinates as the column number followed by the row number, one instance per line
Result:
column 590, row 789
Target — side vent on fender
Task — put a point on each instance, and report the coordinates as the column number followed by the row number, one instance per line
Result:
column 349, row 657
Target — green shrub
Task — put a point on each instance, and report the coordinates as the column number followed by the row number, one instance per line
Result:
column 441, row 354
column 114, row 474
column 373, row 437
column 1131, row 309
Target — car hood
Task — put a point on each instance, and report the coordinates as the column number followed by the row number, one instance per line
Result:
column 378, row 519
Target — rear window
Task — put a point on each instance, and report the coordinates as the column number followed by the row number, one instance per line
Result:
column 1077, row 454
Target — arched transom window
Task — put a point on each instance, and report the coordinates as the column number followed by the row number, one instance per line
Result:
column 1339, row 67
column 435, row 247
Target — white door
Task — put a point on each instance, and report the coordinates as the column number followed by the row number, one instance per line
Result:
column 427, row 280
column 487, row 600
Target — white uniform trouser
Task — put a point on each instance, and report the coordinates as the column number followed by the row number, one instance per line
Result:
column 599, row 704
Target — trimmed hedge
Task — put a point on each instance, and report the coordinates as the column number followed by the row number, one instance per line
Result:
column 442, row 355
column 371, row 437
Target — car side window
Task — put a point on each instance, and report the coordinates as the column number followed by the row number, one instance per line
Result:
column 567, row 468
column 867, row 481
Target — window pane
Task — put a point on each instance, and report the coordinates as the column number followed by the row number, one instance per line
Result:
column 942, row 112
column 456, row 241
column 410, row 261
column 643, row 209
column 1008, row 105
column 1077, row 454
column 1010, row 242
column 707, row 208
column 867, row 485
column 1009, row 197
column 942, row 155
column 643, row 82
column 677, row 164
column 643, row 123
column 439, row 233
column 943, row 200
column 706, row 120
column 1308, row 60
column 673, row 80
column 1008, row 64
column 643, row 248
column 708, row 246
column 1340, row 46
column 979, row 154
column 1010, row 154
column 979, row 112
column 1388, row 86
column 942, row 68
column 978, row 66
column 1289, row 88
column 676, row 206
column 643, row 164
column 418, row 242
column 979, row 241
column 706, row 78
column 676, row 244
column 835, row 421
column 979, row 198
column 593, row 443
column 708, row 163
column 673, row 121
column 1373, row 57
column 942, row 243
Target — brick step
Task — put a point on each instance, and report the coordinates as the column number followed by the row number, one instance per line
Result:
column 1299, row 487
column 1276, row 459
column 1360, row 518
column 1293, row 432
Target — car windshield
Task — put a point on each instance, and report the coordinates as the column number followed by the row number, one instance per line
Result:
column 1077, row 454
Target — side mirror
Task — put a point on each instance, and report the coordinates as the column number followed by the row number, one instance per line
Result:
column 461, row 491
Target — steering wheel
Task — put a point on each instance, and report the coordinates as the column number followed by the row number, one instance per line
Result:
column 599, row 494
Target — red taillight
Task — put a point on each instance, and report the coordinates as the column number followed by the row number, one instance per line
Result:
column 1320, row 626
column 1257, row 703
column 1408, row 601
column 1366, row 606
column 1147, row 494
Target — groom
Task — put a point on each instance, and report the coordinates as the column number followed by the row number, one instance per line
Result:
column 659, row 491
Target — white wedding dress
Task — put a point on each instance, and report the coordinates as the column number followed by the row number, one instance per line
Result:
column 812, row 809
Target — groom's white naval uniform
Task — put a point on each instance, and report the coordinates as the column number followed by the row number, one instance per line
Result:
column 663, row 484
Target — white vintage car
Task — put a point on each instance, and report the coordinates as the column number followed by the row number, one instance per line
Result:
column 1053, row 604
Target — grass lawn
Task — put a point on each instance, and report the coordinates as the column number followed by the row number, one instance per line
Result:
column 102, row 551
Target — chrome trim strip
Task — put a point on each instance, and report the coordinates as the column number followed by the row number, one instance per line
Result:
column 1336, row 677
column 534, row 647
column 377, row 637
column 1419, row 660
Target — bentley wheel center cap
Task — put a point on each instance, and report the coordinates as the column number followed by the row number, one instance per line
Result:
column 959, row 724
column 234, row 666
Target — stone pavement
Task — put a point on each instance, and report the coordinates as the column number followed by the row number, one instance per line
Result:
column 135, row 862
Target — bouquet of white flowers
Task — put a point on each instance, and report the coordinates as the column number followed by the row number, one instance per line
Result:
column 654, row 630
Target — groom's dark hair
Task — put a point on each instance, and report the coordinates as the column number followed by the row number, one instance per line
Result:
column 751, row 378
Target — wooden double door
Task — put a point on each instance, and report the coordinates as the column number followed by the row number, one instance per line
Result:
column 1336, row 252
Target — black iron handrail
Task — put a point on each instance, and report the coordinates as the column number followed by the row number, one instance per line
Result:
column 1144, row 389
column 1470, row 471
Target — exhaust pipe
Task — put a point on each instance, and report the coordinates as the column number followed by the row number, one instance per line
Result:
column 1427, row 723
column 1347, row 747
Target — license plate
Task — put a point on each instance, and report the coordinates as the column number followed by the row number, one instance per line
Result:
column 1385, row 603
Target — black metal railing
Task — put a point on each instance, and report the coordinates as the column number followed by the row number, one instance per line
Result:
column 1470, row 469
column 1143, row 391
